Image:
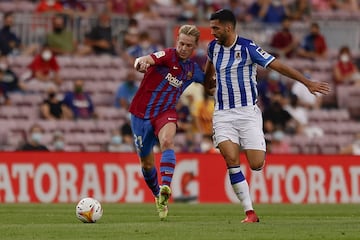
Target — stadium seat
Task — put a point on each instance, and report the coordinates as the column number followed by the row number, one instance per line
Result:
column 8, row 6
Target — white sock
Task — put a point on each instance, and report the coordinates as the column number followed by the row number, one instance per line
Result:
column 241, row 188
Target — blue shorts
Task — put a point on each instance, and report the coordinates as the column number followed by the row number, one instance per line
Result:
column 146, row 130
column 144, row 136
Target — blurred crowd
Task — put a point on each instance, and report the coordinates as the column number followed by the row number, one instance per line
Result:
column 100, row 40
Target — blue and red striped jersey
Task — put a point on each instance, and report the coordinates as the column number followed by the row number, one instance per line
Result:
column 163, row 83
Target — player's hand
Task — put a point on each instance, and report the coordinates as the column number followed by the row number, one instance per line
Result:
column 318, row 87
column 141, row 66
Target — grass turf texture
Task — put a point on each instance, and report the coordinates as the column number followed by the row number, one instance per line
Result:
column 185, row 222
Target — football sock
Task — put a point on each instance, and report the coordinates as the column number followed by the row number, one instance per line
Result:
column 240, row 187
column 167, row 166
column 151, row 180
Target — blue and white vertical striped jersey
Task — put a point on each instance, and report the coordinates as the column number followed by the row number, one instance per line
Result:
column 235, row 69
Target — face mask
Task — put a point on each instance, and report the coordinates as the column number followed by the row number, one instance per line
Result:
column 344, row 58
column 50, row 2
column 3, row 66
column 59, row 145
column 46, row 55
column 116, row 140
column 36, row 137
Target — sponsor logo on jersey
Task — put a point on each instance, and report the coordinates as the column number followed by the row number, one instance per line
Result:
column 263, row 53
column 159, row 54
column 173, row 81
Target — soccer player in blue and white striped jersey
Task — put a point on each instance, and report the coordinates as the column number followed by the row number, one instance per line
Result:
column 230, row 75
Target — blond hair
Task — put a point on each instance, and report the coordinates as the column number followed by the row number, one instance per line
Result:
column 190, row 30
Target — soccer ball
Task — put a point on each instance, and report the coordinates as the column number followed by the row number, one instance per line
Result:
column 89, row 210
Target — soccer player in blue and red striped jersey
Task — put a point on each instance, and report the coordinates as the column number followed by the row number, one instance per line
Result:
column 167, row 74
column 237, row 120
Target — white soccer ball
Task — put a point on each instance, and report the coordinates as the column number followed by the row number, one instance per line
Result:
column 89, row 210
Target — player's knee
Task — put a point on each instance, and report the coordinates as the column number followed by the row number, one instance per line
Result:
column 166, row 143
column 258, row 165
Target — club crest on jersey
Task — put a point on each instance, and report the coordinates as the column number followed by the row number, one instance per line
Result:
column 189, row 75
column 237, row 55
column 173, row 81
column 263, row 53
column 159, row 54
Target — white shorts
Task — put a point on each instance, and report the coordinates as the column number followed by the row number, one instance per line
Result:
column 243, row 126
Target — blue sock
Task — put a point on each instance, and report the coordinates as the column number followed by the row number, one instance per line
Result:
column 167, row 166
column 151, row 180
column 236, row 175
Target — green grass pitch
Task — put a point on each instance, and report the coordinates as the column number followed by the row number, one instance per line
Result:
column 185, row 222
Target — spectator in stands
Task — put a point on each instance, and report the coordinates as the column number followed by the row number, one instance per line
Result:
column 145, row 46
column 305, row 98
column 10, row 43
column 283, row 41
column 127, row 136
column 49, row 6
column 323, row 5
column 272, row 89
column 4, row 97
column 239, row 9
column 45, row 68
column 126, row 91
column 335, row 5
column 53, row 109
column 314, row 44
column 58, row 142
column 207, row 8
column 268, row 11
column 345, row 70
column 131, row 35
column 80, row 102
column 8, row 78
column 278, row 143
column 277, row 118
column 34, row 140
column 189, row 11
column 117, row 7
column 116, row 143
column 75, row 8
column 60, row 40
column 347, row 5
column 300, row 115
column 300, row 10
column 141, row 9
column 100, row 40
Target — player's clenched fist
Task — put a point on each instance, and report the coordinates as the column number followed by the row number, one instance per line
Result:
column 141, row 65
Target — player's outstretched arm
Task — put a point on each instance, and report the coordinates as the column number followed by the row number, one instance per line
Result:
column 141, row 64
column 210, row 81
column 314, row 87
